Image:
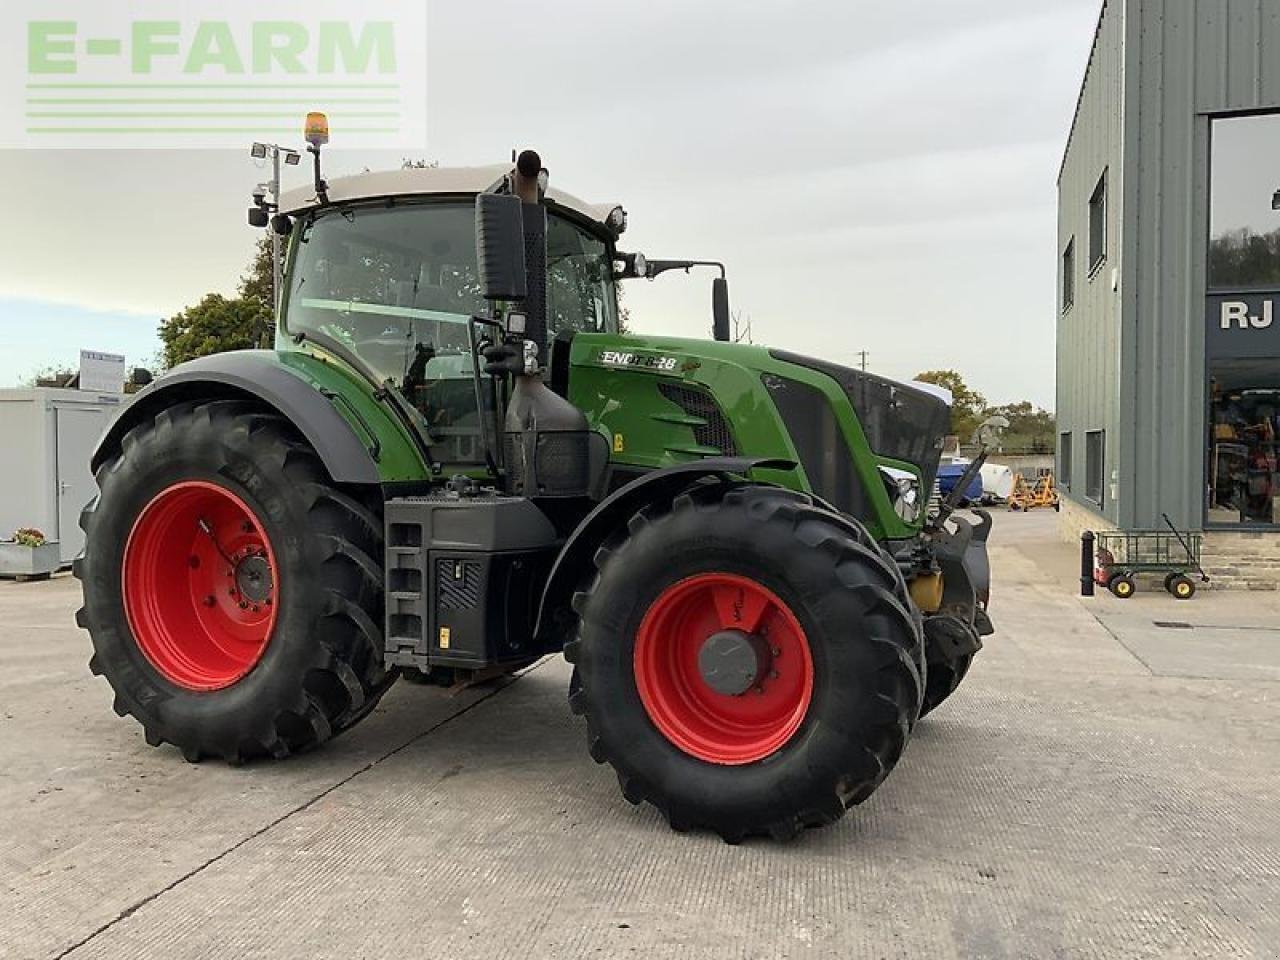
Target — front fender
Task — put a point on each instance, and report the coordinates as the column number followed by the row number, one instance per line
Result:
column 618, row 508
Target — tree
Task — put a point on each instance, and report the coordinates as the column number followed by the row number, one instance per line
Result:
column 968, row 407
column 1242, row 258
column 214, row 325
column 218, row 324
column 56, row 375
column 1030, row 429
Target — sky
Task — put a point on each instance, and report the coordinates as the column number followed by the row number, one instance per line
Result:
column 877, row 176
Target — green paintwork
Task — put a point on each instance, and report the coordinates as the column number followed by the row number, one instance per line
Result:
column 645, row 429
column 398, row 458
column 649, row 431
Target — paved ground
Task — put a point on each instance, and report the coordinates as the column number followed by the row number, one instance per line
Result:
column 1100, row 787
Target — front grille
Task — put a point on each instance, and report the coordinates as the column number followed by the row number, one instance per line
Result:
column 819, row 443
column 714, row 430
column 898, row 420
column 457, row 584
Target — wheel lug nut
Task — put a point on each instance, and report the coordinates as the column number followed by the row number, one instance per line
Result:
column 243, row 605
column 773, row 674
column 210, row 600
column 775, row 651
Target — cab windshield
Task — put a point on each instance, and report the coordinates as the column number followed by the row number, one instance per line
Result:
column 396, row 285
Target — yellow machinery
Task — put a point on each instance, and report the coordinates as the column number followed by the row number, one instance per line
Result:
column 1027, row 496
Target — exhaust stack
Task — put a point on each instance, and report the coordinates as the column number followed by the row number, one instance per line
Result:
column 527, row 184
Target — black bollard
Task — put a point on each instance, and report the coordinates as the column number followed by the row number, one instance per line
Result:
column 1086, row 563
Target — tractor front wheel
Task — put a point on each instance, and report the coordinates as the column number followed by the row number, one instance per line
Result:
column 233, row 594
column 744, row 662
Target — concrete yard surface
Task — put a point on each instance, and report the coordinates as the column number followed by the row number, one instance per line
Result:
column 1100, row 786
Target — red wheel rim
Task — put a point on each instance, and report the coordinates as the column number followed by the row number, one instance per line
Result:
column 199, row 585
column 704, row 723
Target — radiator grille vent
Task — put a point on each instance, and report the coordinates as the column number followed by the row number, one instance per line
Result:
column 715, row 432
column 457, row 584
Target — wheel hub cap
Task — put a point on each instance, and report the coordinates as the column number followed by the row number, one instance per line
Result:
column 253, row 578
column 732, row 662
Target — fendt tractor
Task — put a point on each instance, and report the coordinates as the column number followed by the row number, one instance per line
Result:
column 455, row 463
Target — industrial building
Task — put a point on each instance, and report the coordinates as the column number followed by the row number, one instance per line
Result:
column 1168, row 339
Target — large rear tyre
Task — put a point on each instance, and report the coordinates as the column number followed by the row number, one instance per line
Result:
column 233, row 594
column 744, row 662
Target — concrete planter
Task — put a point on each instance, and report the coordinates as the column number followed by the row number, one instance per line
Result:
column 25, row 562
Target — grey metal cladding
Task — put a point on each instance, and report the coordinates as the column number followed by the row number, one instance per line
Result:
column 1159, row 71
column 1188, row 60
column 1088, row 333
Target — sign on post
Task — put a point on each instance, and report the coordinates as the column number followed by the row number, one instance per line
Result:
column 101, row 372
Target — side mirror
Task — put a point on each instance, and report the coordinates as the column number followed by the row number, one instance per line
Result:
column 258, row 217
column 282, row 223
column 720, row 322
column 500, row 247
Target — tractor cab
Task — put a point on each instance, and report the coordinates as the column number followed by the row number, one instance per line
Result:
column 385, row 274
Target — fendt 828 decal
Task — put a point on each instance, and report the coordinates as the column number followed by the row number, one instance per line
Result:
column 644, row 361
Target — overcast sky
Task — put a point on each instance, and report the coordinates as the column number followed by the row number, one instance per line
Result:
column 877, row 176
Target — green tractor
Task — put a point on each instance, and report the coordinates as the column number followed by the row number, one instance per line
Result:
column 453, row 464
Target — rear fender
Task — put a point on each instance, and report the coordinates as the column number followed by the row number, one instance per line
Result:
column 254, row 375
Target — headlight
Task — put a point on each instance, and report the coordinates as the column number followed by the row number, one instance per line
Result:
column 904, row 492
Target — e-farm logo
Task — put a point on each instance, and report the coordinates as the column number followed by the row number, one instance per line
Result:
column 155, row 74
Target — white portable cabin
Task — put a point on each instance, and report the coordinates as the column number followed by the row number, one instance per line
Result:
column 47, row 436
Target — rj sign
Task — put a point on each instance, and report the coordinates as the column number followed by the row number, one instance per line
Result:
column 1243, row 324
column 155, row 74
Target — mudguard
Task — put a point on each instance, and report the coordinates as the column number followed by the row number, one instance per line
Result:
column 618, row 508
column 253, row 374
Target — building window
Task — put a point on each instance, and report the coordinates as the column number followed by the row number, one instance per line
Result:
column 1244, row 228
column 1098, row 225
column 1064, row 460
column 1069, row 276
column 1095, row 445
column 1244, row 424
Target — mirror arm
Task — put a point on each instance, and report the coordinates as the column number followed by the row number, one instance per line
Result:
column 656, row 267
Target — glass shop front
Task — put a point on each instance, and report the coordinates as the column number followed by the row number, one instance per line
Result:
column 1243, row 325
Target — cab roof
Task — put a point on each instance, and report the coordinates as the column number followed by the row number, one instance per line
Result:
column 431, row 181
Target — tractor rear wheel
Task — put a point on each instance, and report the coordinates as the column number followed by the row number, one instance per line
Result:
column 233, row 594
column 744, row 662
